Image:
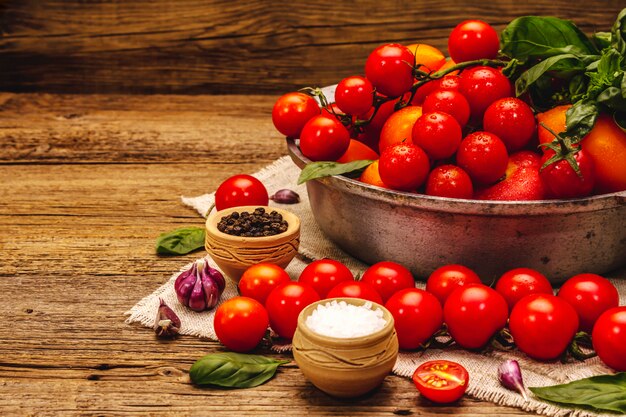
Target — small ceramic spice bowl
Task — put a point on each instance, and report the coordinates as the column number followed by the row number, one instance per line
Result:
column 345, row 367
column 234, row 254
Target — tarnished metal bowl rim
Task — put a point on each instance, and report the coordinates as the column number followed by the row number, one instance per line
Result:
column 454, row 205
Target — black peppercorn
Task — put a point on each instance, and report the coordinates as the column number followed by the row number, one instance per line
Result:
column 255, row 224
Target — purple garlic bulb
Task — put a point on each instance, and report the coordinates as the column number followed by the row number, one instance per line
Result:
column 200, row 287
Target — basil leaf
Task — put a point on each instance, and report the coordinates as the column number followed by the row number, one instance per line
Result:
column 234, row 370
column 618, row 33
column 602, row 39
column 577, row 87
column 565, row 63
column 603, row 393
column 612, row 97
column 180, row 241
column 530, row 37
column 327, row 168
column 580, row 119
column 607, row 73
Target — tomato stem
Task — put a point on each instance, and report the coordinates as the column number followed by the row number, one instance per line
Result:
column 563, row 150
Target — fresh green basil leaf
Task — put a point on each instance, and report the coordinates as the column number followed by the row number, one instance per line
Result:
column 602, row 39
column 612, row 98
column 233, row 370
column 618, row 33
column 580, row 119
column 531, row 37
column 602, row 393
column 327, row 168
column 607, row 73
column 565, row 64
column 180, row 241
column 577, row 87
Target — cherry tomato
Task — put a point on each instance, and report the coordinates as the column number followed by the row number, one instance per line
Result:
column 404, row 166
column 285, row 303
column 355, row 289
column 474, row 313
column 399, row 127
column 543, row 325
column 324, row 139
column 390, row 69
column 520, row 282
column 387, row 278
column 241, row 190
column 473, row 39
column 482, row 86
column 511, row 120
column 609, row 338
column 240, row 323
column 354, row 95
column 427, row 58
column 448, row 82
column 562, row 181
column 292, row 111
column 448, row 101
column 590, row 295
column 521, row 180
column 449, row 181
column 372, row 176
column 324, row 274
column 606, row 144
column 441, row 381
column 483, row 156
column 417, row 316
column 448, row 278
column 357, row 151
column 259, row 280
column 438, row 134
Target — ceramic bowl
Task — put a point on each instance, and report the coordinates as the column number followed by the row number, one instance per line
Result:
column 234, row 254
column 345, row 367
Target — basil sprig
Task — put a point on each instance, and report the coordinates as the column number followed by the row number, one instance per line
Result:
column 180, row 241
column 233, row 370
column 602, row 393
column 321, row 169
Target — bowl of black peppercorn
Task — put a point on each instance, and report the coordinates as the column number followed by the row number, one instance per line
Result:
column 239, row 237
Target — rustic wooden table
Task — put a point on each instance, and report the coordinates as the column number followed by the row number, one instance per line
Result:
column 88, row 182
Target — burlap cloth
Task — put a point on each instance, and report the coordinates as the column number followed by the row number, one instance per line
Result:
column 482, row 367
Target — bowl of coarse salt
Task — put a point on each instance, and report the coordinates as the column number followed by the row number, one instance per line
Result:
column 345, row 346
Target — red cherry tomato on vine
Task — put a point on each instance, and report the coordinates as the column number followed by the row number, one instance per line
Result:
column 448, row 82
column 473, row 39
column 240, row 323
column 441, row 381
column 511, row 120
column 482, row 86
column 449, row 181
column 387, row 278
column 324, row 274
column 590, row 295
column 483, row 156
column 543, row 325
column 609, row 338
column 520, row 282
column 354, row 95
column 260, row 279
column 390, row 69
column 324, row 138
column 292, row 111
column 437, row 133
column 404, row 166
column 355, row 289
column 448, row 101
column 474, row 313
column 417, row 316
column 562, row 181
column 241, row 190
column 285, row 303
column 448, row 278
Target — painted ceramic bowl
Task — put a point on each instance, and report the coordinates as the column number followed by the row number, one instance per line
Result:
column 234, row 254
column 345, row 367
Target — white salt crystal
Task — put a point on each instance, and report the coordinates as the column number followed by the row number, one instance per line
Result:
column 343, row 320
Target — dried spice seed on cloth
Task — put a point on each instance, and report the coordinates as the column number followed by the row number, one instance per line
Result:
column 483, row 367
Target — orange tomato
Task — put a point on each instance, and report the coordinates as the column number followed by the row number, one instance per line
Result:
column 357, row 151
column 429, row 57
column 553, row 119
column 371, row 176
column 399, row 127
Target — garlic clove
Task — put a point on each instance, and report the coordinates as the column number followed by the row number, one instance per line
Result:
column 197, row 300
column 167, row 323
column 184, row 284
column 211, row 292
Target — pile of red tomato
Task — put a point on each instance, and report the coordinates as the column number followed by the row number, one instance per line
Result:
column 462, row 135
column 541, row 324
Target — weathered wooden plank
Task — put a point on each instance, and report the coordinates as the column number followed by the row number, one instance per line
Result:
column 193, row 46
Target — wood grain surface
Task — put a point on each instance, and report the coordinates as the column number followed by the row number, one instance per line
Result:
column 225, row 47
column 88, row 182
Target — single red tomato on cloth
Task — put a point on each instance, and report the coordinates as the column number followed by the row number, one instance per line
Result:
column 285, row 303
column 324, row 274
column 241, row 190
column 441, row 381
column 387, row 278
column 609, row 338
column 417, row 316
column 240, row 323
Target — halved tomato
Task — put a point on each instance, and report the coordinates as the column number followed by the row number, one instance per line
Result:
column 441, row 381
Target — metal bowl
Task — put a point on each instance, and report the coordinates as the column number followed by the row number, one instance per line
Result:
column 560, row 238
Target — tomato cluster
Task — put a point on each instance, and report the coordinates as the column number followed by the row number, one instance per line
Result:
column 451, row 128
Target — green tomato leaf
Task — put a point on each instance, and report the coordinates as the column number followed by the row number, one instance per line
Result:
column 233, row 370
column 566, row 63
column 180, row 241
column 328, row 168
column 602, row 393
column 531, row 37
column 580, row 119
